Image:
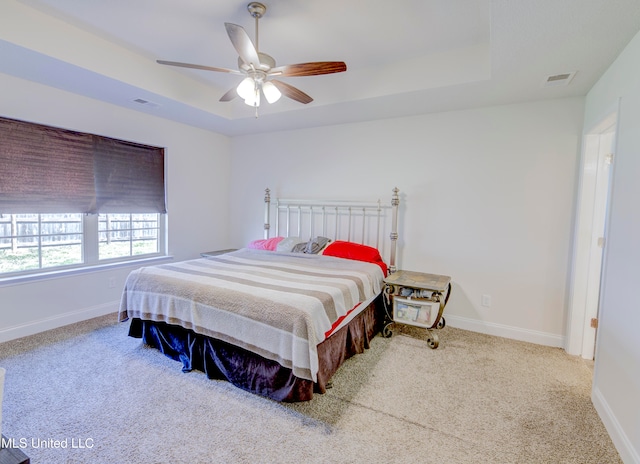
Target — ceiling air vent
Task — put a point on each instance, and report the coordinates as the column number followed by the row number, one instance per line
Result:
column 147, row 103
column 558, row 79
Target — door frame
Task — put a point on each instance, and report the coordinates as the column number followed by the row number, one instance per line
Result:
column 591, row 221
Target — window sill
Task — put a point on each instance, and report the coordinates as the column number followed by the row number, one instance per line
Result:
column 26, row 279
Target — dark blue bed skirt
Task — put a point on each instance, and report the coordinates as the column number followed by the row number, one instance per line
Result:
column 251, row 372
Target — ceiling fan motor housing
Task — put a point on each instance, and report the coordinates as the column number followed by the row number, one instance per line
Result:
column 256, row 9
column 266, row 63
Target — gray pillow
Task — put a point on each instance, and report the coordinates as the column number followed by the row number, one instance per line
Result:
column 313, row 246
column 299, row 247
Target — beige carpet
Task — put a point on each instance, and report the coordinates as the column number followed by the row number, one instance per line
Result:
column 476, row 399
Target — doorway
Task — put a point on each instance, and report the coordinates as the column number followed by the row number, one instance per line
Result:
column 590, row 236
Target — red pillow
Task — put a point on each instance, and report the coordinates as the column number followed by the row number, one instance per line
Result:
column 269, row 244
column 356, row 251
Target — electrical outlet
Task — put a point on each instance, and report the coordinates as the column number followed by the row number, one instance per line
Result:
column 486, row 300
column 112, row 282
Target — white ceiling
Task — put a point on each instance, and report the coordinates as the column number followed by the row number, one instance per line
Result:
column 404, row 57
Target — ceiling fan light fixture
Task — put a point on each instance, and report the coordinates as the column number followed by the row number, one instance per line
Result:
column 271, row 92
column 253, row 99
column 246, row 88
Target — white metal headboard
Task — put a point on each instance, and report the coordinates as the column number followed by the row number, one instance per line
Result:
column 360, row 222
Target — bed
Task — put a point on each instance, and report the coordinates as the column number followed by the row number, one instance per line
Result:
column 281, row 315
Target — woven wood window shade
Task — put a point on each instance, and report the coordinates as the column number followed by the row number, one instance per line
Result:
column 129, row 178
column 49, row 170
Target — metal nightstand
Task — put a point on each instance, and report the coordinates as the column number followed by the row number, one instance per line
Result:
column 417, row 299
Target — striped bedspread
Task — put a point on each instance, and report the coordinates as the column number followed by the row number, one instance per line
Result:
column 278, row 305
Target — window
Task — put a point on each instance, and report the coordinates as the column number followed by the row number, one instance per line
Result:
column 39, row 241
column 70, row 199
column 126, row 235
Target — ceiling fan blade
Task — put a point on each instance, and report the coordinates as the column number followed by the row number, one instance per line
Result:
column 309, row 69
column 243, row 45
column 198, row 66
column 230, row 95
column 291, row 92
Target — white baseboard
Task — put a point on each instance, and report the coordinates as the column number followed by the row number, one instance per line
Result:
column 500, row 330
column 53, row 322
column 625, row 447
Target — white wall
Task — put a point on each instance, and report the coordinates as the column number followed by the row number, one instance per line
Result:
column 198, row 166
column 616, row 383
column 487, row 197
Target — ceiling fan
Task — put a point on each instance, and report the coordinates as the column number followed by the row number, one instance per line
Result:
column 260, row 68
